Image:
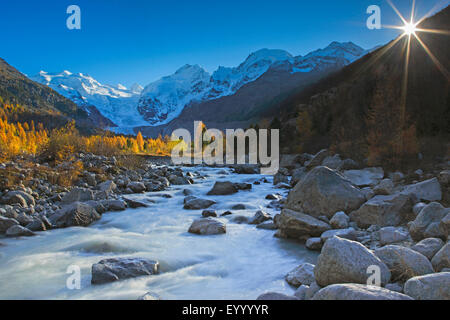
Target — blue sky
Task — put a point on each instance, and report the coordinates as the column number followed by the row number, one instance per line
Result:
column 127, row 41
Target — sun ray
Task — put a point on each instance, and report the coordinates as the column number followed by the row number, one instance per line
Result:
column 380, row 53
column 435, row 60
column 437, row 5
column 397, row 12
column 443, row 32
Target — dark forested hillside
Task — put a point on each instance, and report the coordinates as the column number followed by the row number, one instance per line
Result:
column 367, row 109
column 24, row 100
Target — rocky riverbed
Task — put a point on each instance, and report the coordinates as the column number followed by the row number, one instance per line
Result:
column 309, row 232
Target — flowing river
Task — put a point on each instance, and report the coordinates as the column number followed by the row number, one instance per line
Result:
column 241, row 264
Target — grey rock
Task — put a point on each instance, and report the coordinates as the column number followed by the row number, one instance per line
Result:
column 267, row 225
column 444, row 226
column 348, row 233
column 429, row 287
column 314, row 243
column 429, row 190
column 426, row 224
column 114, row 205
column 385, row 187
column 297, row 175
column 19, row 231
column 418, row 207
column 301, row 292
column 301, row 275
column 280, row 178
column 403, row 262
column 384, row 211
column 312, row 290
column 428, row 247
column 396, row 287
column 107, row 186
column 260, row 217
column 197, row 204
column 324, row 192
column 223, row 188
column 115, row 269
column 15, row 197
column 364, row 177
column 6, row 223
column 345, row 261
column 441, row 259
column 357, row 292
column 390, row 235
column 137, row 187
column 299, row 225
column 76, row 214
column 209, row 213
column 36, row 225
column 340, row 220
column 207, row 226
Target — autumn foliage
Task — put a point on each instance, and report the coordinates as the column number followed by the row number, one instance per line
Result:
column 60, row 144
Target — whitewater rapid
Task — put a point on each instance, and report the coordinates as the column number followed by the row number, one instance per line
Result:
column 241, row 264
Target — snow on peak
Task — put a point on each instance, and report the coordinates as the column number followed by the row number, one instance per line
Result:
column 136, row 88
column 165, row 99
column 116, row 103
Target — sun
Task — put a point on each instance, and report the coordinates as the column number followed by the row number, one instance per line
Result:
column 410, row 28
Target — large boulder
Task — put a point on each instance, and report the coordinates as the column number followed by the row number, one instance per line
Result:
column 324, row 192
column 346, row 261
column 298, row 225
column 434, row 286
column 429, row 190
column 441, row 259
column 6, row 223
column 207, row 226
column 223, row 188
column 428, row 247
column 77, row 214
column 78, row 195
column 19, row 231
column 302, row 275
column 426, row 224
column 197, row 204
column 115, row 269
column 364, row 177
column 403, row 262
column 18, row 197
column 358, row 292
column 384, row 211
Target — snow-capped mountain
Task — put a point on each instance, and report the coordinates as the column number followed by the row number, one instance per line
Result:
column 164, row 100
column 117, row 103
